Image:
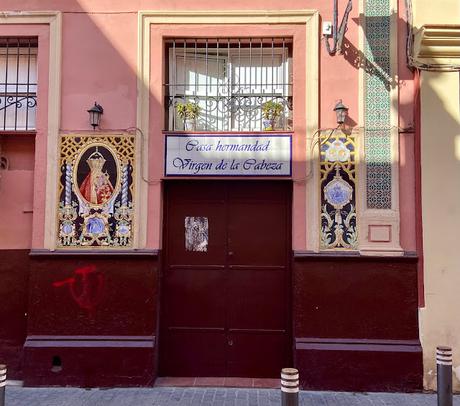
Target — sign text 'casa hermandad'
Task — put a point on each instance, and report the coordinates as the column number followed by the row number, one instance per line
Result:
column 228, row 155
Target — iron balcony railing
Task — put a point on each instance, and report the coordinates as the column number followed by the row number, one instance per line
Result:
column 229, row 79
column 18, row 83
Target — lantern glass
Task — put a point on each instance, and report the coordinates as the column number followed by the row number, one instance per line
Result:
column 341, row 112
column 341, row 116
column 95, row 114
column 94, row 118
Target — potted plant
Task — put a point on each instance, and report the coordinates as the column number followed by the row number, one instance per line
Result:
column 188, row 112
column 271, row 111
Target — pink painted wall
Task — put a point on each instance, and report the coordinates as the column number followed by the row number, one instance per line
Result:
column 99, row 62
column 407, row 164
column 17, row 191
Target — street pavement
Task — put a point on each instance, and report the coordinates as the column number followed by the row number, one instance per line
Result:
column 18, row 396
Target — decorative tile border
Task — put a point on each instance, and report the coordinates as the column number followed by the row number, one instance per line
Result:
column 377, row 137
column 338, row 191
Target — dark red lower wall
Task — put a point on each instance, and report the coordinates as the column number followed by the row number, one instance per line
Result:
column 355, row 322
column 14, row 276
column 92, row 319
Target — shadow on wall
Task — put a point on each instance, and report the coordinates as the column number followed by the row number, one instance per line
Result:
column 357, row 57
column 440, row 152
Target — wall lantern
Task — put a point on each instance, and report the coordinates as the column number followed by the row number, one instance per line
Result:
column 95, row 114
column 341, row 111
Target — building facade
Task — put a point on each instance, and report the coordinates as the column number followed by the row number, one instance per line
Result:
column 436, row 58
column 220, row 219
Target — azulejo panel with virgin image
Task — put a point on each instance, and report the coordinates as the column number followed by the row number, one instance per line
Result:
column 338, row 220
column 96, row 191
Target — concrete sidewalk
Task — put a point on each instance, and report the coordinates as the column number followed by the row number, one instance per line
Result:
column 17, row 396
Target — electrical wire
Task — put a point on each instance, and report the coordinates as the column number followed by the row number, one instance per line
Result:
column 338, row 32
column 137, row 130
column 317, row 141
column 312, row 145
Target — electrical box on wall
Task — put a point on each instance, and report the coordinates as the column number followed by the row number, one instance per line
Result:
column 327, row 28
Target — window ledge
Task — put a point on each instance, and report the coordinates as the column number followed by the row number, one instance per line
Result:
column 168, row 132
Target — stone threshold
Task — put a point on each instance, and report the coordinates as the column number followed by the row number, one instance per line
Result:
column 222, row 382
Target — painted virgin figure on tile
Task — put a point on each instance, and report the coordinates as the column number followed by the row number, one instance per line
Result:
column 96, row 186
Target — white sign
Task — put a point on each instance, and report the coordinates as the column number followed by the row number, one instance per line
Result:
column 228, row 155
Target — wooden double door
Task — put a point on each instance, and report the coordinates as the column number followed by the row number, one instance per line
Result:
column 226, row 278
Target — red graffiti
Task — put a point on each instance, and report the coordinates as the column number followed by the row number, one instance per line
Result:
column 86, row 287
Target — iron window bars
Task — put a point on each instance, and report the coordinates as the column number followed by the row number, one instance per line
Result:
column 230, row 79
column 18, row 83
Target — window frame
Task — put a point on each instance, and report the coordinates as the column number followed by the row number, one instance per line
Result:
column 18, row 83
column 231, row 57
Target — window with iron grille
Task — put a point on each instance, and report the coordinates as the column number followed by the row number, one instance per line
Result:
column 18, row 83
column 230, row 80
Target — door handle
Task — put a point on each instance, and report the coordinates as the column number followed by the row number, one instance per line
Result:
column 230, row 342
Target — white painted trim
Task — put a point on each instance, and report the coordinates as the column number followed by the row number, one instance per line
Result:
column 54, row 114
column 313, row 196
